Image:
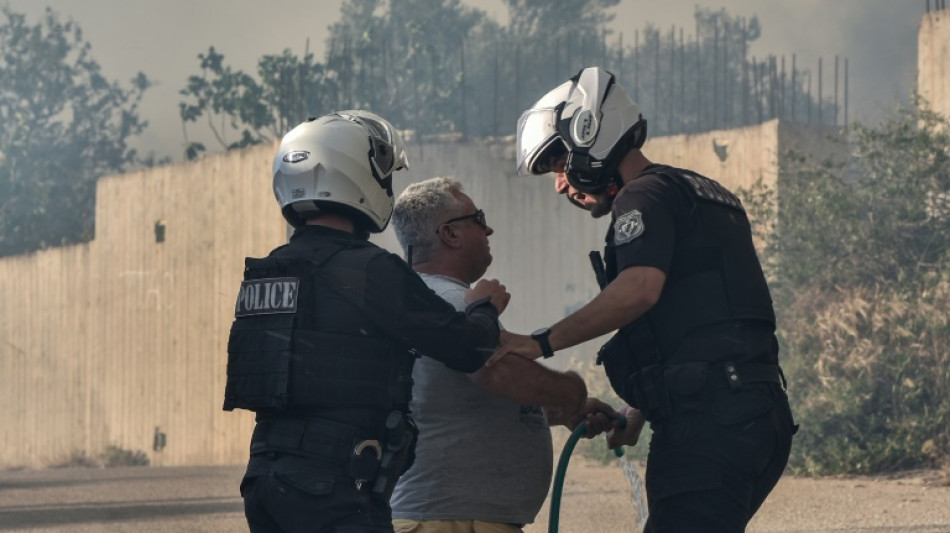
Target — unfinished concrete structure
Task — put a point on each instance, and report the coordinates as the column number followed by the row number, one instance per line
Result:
column 933, row 60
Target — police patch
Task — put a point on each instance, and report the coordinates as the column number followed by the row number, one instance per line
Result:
column 628, row 226
column 267, row 296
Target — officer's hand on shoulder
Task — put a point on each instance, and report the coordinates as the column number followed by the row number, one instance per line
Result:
column 491, row 289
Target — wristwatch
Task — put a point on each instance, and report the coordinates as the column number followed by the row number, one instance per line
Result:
column 541, row 336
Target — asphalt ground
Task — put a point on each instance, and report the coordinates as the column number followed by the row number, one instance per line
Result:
column 127, row 499
column 596, row 498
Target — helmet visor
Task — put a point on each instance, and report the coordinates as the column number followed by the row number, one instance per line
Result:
column 537, row 133
column 387, row 152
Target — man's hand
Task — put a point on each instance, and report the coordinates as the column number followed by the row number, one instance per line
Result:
column 492, row 289
column 513, row 343
column 630, row 434
column 598, row 417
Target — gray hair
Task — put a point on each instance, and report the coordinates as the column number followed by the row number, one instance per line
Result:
column 418, row 212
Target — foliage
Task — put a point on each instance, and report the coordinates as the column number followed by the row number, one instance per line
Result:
column 859, row 263
column 76, row 459
column 420, row 78
column 883, row 217
column 869, row 371
column 115, row 456
column 62, row 126
column 233, row 101
column 441, row 68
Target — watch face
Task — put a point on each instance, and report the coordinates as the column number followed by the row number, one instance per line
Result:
column 541, row 332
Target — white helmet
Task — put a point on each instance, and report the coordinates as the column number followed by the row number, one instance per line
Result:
column 341, row 162
column 591, row 118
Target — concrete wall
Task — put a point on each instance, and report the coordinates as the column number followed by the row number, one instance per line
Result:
column 100, row 344
column 933, row 60
column 108, row 342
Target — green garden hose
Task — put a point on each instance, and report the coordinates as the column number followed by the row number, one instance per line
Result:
column 558, row 485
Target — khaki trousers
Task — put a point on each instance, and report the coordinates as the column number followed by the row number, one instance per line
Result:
column 453, row 526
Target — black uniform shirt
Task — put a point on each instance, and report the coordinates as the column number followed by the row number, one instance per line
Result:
column 396, row 300
column 648, row 212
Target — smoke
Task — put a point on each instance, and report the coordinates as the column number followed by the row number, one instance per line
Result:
column 163, row 39
column 877, row 37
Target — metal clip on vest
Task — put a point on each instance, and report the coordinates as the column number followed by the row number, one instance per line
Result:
column 735, row 383
column 363, row 466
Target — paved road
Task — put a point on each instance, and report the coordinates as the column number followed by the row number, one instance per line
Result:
column 596, row 499
column 132, row 499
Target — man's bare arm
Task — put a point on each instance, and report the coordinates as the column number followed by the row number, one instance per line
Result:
column 527, row 382
column 634, row 291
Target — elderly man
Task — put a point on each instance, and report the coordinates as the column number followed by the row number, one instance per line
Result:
column 483, row 459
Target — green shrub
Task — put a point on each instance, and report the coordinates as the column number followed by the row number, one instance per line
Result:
column 115, row 456
column 857, row 257
column 870, row 379
column 78, row 459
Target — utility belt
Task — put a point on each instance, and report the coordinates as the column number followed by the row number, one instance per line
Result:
column 373, row 463
column 659, row 391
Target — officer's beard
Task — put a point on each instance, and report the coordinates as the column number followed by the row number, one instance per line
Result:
column 603, row 197
column 603, row 205
column 600, row 206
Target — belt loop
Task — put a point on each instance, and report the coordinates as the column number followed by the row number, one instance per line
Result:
column 735, row 384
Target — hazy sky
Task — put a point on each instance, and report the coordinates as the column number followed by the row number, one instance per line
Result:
column 162, row 38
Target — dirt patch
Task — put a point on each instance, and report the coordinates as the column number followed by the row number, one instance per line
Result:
column 597, row 498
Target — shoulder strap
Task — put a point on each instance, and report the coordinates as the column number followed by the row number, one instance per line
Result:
column 697, row 186
column 325, row 254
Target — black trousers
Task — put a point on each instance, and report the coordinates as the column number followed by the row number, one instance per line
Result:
column 291, row 494
column 710, row 471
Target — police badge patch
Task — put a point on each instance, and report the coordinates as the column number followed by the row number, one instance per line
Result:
column 267, row 296
column 627, row 227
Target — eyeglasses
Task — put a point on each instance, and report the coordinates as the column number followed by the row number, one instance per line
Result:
column 478, row 216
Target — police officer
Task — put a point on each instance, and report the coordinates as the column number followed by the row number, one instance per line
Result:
column 696, row 353
column 326, row 331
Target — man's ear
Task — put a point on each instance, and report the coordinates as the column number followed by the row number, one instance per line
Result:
column 450, row 236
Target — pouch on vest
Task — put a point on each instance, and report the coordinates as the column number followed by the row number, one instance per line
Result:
column 261, row 339
column 632, row 348
column 399, row 453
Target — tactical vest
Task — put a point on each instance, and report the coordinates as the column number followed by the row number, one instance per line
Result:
column 715, row 277
column 299, row 340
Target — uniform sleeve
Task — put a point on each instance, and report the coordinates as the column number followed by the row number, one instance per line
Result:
column 419, row 319
column 644, row 223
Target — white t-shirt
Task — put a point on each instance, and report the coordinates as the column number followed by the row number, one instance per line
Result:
column 479, row 456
